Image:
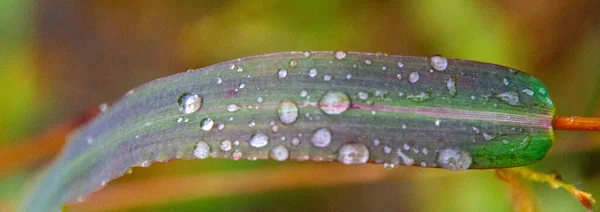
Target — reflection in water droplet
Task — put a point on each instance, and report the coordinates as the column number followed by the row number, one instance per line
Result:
column 509, row 97
column 420, row 97
column 202, row 150
column 438, row 63
column 334, row 102
column 279, row 153
column 413, row 77
column 225, row 145
column 312, row 72
column 282, row 73
column 340, row 55
column 321, row 137
column 189, row 103
column 353, row 153
column 454, row 159
column 259, row 140
column 207, row 124
column 287, row 111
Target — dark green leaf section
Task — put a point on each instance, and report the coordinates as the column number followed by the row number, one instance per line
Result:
column 317, row 106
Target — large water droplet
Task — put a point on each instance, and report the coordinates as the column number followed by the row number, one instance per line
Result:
column 287, row 111
column 207, row 124
column 340, row 55
column 202, row 150
column 259, row 140
column 279, row 153
column 282, row 73
column 420, row 97
column 353, row 153
column 509, row 97
column 413, row 77
column 334, row 102
column 321, row 137
column 438, row 63
column 225, row 145
column 454, row 159
column 189, row 103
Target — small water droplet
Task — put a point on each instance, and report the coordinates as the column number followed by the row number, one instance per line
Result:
column 334, row 102
column 146, row 163
column 487, row 136
column 383, row 68
column 388, row 166
column 242, row 85
column 282, row 73
column 293, row 63
column 454, row 159
column 295, row 141
column 259, row 140
column 303, row 93
column 239, row 69
column 387, row 149
column 451, row 85
column 505, row 81
column 473, row 97
column 327, row 77
column 340, row 55
column 220, row 126
column 399, row 76
column 413, row 77
column 307, row 54
column 437, row 122
column 225, row 145
column 180, row 119
column 251, row 124
column 236, row 155
column 509, row 97
column 438, row 63
column 363, row 95
column 400, row 64
column 376, row 142
column 525, row 142
column 321, row 137
column 207, row 124
column 219, row 80
column 279, row 153
column 348, row 76
column 528, row 92
column 189, row 103
column 403, row 126
column 368, row 62
column 202, row 150
column 312, row 72
column 232, row 66
column 259, row 99
column 476, row 130
column 420, row 97
column 353, row 153
column 233, row 107
column 287, row 111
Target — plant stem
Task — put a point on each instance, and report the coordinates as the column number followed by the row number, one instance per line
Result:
column 577, row 123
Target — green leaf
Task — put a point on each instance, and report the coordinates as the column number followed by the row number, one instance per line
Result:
column 318, row 106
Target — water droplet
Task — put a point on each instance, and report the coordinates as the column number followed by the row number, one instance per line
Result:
column 303, row 93
column 454, row 159
column 407, row 160
column 321, row 137
column 383, row 68
column 413, row 77
column 363, row 95
column 509, row 97
column 219, row 80
column 207, row 124
column 327, row 77
column 505, row 81
column 312, row 72
column 340, row 55
column 528, row 92
column 400, row 64
column 399, row 76
column 295, row 141
column 438, row 63
column 236, row 155
column 420, row 97
column 251, row 124
column 348, row 76
column 240, row 69
column 388, row 166
column 368, row 62
column 293, row 63
column 282, row 73
column 387, row 149
column 287, row 111
column 279, row 153
column 307, row 54
column 242, row 85
column 146, row 163
column 451, row 85
column 233, row 107
column 542, row 90
column 334, row 102
column 221, row 126
column 525, row 142
column 202, row 150
column 437, row 122
column 232, row 66
column 274, row 128
column 376, row 142
column 353, row 153
column 476, row 130
column 103, row 107
column 425, row 151
column 259, row 140
column 487, row 136
column 189, row 103
column 259, row 99
column 225, row 145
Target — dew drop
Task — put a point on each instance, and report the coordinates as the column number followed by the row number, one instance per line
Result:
column 388, row 166
column 487, row 136
column 363, row 95
column 383, row 68
column 207, row 124
column 399, row 76
column 321, row 137
column 387, row 149
column 189, row 103
column 340, row 55
column 282, row 73
column 287, row 111
column 259, row 140
column 233, row 107
column 451, row 85
column 505, row 81
column 293, row 63
column 454, row 159
column 400, row 64
column 353, row 153
column 236, row 155
column 348, row 76
column 525, row 142
column 528, row 92
column 239, row 69
column 413, row 77
column 438, row 63
column 295, row 141
column 368, row 62
column 312, row 72
column 420, row 97
column 403, row 126
column 279, row 153
column 327, row 77
column 437, row 122
column 307, row 54
column 303, row 93
column 219, row 80
column 146, row 163
column 242, row 85
column 225, row 145
column 509, row 97
column 259, row 99
column 376, row 142
column 334, row 102
column 202, row 150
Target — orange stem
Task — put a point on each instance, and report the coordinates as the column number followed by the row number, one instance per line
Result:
column 577, row 123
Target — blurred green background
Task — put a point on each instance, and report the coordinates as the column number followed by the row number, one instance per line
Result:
column 59, row 58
